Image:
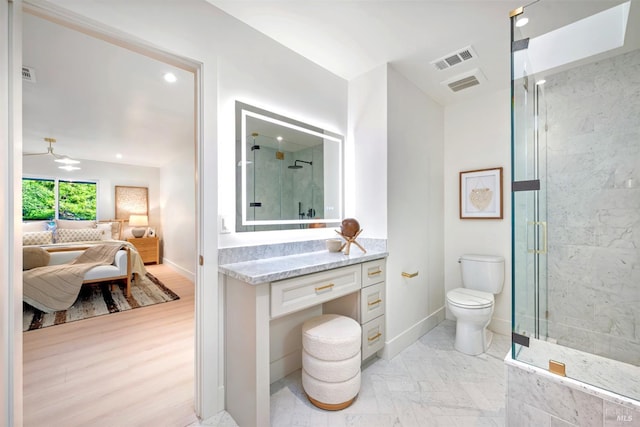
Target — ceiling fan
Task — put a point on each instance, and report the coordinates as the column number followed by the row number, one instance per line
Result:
column 66, row 160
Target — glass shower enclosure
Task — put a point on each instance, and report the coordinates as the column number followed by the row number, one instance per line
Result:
column 575, row 87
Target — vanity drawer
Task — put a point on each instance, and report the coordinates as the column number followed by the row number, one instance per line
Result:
column 372, row 302
column 373, row 272
column 372, row 337
column 297, row 293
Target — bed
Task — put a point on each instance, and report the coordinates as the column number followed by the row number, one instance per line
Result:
column 61, row 256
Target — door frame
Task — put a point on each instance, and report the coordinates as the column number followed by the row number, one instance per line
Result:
column 208, row 398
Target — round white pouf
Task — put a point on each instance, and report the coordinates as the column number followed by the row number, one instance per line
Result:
column 331, row 360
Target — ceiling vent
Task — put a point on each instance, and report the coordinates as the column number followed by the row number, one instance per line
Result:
column 465, row 81
column 28, row 74
column 454, row 58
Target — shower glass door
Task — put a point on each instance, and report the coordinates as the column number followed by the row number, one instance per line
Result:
column 529, row 214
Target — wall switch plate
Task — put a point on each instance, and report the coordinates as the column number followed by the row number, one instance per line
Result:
column 223, row 224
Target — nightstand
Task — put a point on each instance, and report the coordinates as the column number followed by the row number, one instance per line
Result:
column 148, row 248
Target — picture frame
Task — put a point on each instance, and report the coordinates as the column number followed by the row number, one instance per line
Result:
column 131, row 200
column 481, row 194
column 151, row 232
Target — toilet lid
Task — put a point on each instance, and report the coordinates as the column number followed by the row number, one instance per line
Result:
column 470, row 298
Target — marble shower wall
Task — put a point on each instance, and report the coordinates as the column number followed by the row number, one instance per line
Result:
column 593, row 184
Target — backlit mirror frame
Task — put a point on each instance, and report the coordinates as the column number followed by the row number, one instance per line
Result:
column 245, row 111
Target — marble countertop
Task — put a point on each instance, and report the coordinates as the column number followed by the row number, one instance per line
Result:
column 266, row 270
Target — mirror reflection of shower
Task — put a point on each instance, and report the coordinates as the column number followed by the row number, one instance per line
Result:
column 295, row 164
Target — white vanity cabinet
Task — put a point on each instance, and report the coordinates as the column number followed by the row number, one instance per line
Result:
column 263, row 326
column 372, row 304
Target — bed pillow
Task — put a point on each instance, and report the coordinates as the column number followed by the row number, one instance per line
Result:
column 37, row 238
column 72, row 224
column 66, row 235
column 34, row 226
column 106, row 228
column 33, row 257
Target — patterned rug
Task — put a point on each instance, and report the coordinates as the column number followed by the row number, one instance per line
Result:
column 97, row 300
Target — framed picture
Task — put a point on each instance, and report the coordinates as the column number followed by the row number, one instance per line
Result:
column 152, row 232
column 131, row 200
column 481, row 194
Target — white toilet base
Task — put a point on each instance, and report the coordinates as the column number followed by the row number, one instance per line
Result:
column 472, row 338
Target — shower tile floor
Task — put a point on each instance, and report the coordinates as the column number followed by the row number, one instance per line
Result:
column 427, row 384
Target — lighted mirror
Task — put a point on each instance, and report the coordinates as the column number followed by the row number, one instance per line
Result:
column 289, row 174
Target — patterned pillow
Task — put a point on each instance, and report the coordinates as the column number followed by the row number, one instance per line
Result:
column 65, row 235
column 37, row 238
column 34, row 226
column 106, row 229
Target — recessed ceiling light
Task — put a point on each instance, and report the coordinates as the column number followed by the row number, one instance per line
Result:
column 521, row 22
column 279, row 138
column 118, row 156
column 170, row 77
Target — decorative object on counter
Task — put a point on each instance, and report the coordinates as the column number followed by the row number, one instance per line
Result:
column 331, row 360
column 138, row 221
column 350, row 230
column 334, row 245
column 481, row 194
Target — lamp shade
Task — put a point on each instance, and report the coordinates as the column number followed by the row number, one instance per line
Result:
column 138, row 221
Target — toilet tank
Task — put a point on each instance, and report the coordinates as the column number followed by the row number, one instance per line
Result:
column 483, row 272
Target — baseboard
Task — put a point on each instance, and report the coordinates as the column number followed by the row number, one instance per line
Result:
column 395, row 345
column 180, row 270
column 284, row 366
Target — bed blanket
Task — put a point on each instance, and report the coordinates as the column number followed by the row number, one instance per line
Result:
column 56, row 287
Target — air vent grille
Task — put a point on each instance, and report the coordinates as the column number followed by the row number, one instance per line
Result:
column 464, row 83
column 465, row 80
column 454, row 58
column 28, row 74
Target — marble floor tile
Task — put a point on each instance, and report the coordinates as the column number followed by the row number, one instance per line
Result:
column 428, row 384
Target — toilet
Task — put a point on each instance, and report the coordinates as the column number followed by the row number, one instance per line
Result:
column 472, row 305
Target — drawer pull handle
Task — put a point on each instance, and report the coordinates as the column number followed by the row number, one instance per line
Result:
column 378, row 301
column 321, row 288
column 373, row 273
column 409, row 275
column 375, row 337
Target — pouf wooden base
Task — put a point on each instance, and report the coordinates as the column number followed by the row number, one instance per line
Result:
column 329, row 406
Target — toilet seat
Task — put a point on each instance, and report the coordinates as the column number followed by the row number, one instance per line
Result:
column 469, row 298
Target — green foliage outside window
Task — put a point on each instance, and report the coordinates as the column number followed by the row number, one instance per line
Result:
column 38, row 199
column 76, row 200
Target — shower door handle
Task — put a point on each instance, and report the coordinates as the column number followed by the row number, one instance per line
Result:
column 542, row 249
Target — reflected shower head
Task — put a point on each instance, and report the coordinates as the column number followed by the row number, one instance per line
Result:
column 295, row 164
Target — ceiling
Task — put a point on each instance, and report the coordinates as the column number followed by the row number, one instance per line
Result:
column 104, row 100
column 99, row 100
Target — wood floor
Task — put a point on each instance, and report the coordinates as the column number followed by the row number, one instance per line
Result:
column 133, row 368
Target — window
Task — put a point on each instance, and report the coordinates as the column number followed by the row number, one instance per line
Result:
column 58, row 199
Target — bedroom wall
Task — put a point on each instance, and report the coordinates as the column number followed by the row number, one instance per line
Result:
column 177, row 206
column 108, row 176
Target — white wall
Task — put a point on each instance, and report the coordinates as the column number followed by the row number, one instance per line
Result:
column 415, row 213
column 366, row 156
column 177, row 206
column 258, row 72
column 477, row 136
column 108, row 176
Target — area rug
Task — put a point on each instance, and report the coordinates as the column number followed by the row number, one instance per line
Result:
column 97, row 300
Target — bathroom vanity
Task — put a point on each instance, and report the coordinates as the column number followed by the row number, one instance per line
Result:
column 266, row 302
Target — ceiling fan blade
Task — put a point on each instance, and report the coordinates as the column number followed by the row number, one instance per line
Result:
column 33, row 154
